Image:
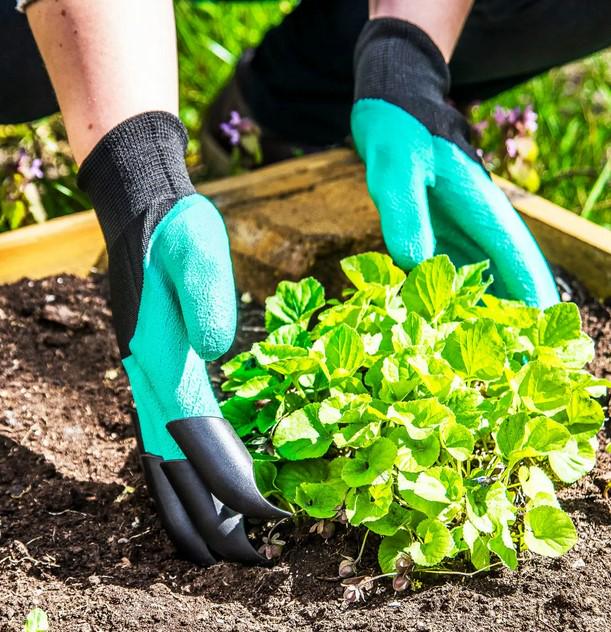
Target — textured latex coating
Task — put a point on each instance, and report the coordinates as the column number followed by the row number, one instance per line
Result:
column 433, row 198
column 222, row 528
column 173, row 515
column 187, row 315
column 223, row 464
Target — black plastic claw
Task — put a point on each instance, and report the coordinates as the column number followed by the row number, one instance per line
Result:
column 173, row 516
column 222, row 528
column 223, row 463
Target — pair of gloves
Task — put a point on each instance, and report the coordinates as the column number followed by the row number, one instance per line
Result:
column 433, row 196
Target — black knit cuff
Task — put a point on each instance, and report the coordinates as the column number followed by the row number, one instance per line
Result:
column 137, row 167
column 398, row 62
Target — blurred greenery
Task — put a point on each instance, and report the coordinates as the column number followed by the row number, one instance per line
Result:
column 573, row 104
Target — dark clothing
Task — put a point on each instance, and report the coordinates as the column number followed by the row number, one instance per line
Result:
column 300, row 83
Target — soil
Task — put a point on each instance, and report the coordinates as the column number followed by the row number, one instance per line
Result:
column 80, row 539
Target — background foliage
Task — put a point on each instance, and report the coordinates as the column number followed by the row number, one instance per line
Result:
column 573, row 165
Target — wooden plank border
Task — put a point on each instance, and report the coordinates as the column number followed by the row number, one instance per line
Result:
column 74, row 244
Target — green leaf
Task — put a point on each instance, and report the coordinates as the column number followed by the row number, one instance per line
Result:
column 292, row 474
column 432, row 492
column 284, row 359
column 341, row 350
column 240, row 413
column 414, row 455
column 545, row 435
column 511, row 434
column 265, row 476
column 429, row 287
column 477, row 545
column 470, row 283
column 457, row 440
column 366, row 504
column 502, row 544
column 434, row 543
column 300, row 435
column 436, row 375
column 420, row 416
column 373, row 268
column 396, row 518
column 575, row 460
column 321, row 500
column 543, row 388
column 413, row 331
column 537, row 486
column 370, row 463
column 391, row 548
column 258, row 387
column 549, row 531
column 293, row 303
column 36, row 621
column 294, row 335
column 357, row 435
column 585, row 414
column 559, row 324
column 476, row 350
column 507, row 313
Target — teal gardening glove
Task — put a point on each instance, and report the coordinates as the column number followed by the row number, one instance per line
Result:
column 425, row 178
column 174, row 309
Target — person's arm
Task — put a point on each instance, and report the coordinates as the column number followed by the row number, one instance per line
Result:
column 113, row 65
column 107, row 61
column 423, row 174
column 442, row 20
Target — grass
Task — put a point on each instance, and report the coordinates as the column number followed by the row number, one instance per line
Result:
column 573, row 104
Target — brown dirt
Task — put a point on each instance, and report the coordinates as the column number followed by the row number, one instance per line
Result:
column 96, row 559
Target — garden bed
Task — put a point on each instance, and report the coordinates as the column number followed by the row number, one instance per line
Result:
column 79, row 536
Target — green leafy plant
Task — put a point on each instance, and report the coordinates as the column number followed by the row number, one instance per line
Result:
column 36, row 621
column 422, row 409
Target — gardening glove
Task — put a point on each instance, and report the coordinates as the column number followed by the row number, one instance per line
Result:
column 174, row 309
column 431, row 191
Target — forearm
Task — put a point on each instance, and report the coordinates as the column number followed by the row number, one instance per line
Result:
column 442, row 20
column 108, row 61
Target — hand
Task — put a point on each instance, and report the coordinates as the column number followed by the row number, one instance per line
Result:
column 430, row 189
column 174, row 309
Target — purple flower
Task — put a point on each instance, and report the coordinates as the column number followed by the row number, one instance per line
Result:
column 231, row 132
column 237, row 126
column 500, row 115
column 530, row 119
column 36, row 169
column 478, row 128
column 28, row 168
column 512, row 147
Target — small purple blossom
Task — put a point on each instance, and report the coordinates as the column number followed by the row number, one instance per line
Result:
column 237, row 126
column 530, row 119
column 500, row 115
column 511, row 147
column 28, row 168
column 36, row 168
column 479, row 128
column 231, row 133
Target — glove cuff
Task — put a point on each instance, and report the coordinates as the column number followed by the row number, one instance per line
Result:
column 137, row 168
column 398, row 62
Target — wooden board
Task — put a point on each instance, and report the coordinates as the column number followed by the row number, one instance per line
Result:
column 65, row 245
column 317, row 186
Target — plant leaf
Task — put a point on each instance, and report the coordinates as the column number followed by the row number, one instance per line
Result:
column 300, row 435
column 293, row 303
column 429, row 287
column 434, row 543
column 549, row 531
